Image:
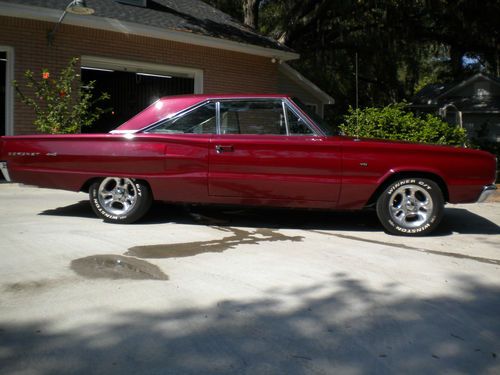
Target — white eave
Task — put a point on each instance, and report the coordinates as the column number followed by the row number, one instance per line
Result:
column 304, row 82
column 124, row 27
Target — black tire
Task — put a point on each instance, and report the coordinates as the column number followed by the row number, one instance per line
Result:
column 411, row 207
column 120, row 200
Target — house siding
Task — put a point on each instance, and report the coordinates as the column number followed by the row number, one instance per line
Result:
column 223, row 71
column 287, row 86
column 482, row 126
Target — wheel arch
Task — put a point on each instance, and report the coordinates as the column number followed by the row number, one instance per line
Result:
column 393, row 177
column 86, row 186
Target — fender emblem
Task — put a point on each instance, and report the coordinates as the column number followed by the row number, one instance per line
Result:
column 24, row 153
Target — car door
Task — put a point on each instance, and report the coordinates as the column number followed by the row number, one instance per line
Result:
column 265, row 150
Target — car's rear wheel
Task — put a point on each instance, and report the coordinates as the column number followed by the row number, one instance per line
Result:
column 120, row 200
column 411, row 207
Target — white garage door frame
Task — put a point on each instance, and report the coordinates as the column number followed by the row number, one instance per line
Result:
column 143, row 67
column 9, row 90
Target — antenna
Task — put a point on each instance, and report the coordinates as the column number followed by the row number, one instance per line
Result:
column 357, row 92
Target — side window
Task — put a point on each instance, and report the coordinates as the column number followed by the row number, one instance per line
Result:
column 252, row 117
column 198, row 121
column 296, row 125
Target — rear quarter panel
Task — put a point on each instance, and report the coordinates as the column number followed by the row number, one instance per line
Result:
column 69, row 162
column 367, row 164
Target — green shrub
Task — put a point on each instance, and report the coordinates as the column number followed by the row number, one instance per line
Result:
column 395, row 123
column 61, row 104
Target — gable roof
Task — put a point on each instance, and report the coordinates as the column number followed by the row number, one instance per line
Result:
column 475, row 77
column 432, row 93
column 302, row 81
column 187, row 21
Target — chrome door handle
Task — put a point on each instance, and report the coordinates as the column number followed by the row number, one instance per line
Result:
column 220, row 149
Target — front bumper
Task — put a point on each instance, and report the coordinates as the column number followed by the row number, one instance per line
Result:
column 5, row 171
column 487, row 191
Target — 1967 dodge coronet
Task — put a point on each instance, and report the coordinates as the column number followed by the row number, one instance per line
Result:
column 263, row 150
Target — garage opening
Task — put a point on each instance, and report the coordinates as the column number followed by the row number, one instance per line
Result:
column 130, row 93
column 133, row 86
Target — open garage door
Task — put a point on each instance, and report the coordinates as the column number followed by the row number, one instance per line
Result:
column 133, row 86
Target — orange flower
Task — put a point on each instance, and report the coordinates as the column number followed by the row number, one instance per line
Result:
column 62, row 94
column 45, row 75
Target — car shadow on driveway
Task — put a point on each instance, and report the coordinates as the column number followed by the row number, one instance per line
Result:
column 80, row 209
column 459, row 220
column 456, row 220
column 273, row 218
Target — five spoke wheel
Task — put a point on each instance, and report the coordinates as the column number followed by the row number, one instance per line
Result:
column 117, row 195
column 411, row 206
column 119, row 199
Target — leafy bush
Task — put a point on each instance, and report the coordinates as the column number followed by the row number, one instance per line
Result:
column 395, row 123
column 61, row 105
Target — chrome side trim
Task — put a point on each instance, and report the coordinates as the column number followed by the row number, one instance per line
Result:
column 487, row 191
column 217, row 118
column 5, row 171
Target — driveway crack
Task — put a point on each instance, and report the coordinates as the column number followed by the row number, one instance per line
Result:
column 411, row 248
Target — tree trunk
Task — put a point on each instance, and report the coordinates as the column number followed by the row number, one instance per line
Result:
column 251, row 13
column 456, row 55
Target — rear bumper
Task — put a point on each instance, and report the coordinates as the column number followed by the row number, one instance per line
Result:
column 487, row 191
column 5, row 171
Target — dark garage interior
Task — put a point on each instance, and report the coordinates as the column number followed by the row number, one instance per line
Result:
column 130, row 93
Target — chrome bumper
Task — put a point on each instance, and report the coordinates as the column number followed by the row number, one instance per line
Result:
column 5, row 171
column 487, row 191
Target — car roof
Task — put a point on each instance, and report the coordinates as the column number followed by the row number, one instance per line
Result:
column 168, row 106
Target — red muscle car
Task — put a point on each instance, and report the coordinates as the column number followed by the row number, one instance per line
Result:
column 264, row 150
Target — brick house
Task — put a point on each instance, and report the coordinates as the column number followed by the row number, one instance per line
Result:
column 138, row 50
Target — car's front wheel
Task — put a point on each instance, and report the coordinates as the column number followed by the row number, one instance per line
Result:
column 411, row 207
column 120, row 200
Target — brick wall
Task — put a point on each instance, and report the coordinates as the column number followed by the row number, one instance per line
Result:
column 224, row 71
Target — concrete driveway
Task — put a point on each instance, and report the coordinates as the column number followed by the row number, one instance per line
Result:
column 230, row 291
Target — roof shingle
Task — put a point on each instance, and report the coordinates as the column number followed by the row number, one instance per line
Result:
column 191, row 16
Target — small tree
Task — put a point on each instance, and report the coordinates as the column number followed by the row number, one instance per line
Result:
column 394, row 122
column 62, row 105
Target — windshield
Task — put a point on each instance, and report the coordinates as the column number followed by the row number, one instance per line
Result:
column 327, row 128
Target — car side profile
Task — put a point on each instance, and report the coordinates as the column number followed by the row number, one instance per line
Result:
column 252, row 150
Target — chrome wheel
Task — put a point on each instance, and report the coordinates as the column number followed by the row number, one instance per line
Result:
column 117, row 196
column 410, row 206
